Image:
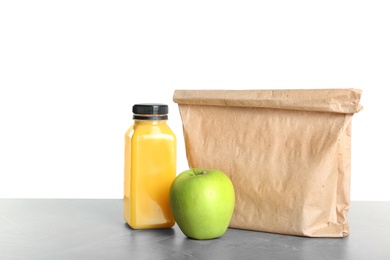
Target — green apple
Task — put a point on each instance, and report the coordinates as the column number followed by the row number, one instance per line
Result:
column 202, row 202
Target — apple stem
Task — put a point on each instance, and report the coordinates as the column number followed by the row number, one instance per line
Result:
column 198, row 173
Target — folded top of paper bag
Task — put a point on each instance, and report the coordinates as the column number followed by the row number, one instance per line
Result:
column 322, row 100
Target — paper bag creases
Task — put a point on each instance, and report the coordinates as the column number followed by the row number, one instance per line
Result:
column 290, row 167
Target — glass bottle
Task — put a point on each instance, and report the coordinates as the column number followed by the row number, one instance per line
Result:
column 150, row 168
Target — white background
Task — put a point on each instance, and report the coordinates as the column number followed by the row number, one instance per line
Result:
column 71, row 70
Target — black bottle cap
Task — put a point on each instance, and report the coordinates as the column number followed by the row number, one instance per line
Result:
column 150, row 111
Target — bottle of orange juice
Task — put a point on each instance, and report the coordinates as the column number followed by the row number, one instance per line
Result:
column 150, row 168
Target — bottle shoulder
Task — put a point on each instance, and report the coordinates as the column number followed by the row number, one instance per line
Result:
column 150, row 129
column 130, row 130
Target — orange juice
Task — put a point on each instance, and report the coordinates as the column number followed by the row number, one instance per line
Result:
column 150, row 168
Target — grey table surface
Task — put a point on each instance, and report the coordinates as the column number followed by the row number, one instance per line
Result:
column 95, row 229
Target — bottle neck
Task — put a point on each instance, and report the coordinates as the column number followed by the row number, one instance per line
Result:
column 150, row 122
column 150, row 116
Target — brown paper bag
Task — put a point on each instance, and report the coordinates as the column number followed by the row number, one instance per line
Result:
column 287, row 153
